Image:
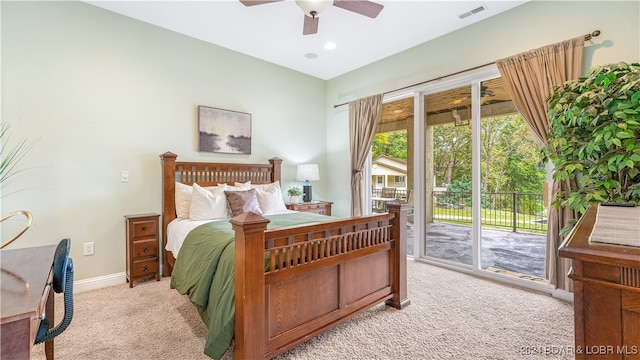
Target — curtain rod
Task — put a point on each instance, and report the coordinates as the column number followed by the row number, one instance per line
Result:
column 587, row 37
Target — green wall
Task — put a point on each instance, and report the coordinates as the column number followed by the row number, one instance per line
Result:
column 97, row 93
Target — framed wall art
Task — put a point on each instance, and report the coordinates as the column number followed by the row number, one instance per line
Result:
column 223, row 131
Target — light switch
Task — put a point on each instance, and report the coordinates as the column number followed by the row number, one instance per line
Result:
column 124, row 176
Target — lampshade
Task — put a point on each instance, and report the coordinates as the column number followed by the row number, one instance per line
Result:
column 307, row 172
column 313, row 7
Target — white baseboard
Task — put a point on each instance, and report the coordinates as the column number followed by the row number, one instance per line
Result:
column 562, row 295
column 99, row 282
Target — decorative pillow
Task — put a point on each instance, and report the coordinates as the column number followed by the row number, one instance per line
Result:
column 183, row 200
column 270, row 198
column 208, row 203
column 241, row 202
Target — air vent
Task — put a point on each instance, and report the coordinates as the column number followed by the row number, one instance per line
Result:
column 472, row 12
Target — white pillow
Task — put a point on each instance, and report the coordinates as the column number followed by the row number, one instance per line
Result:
column 270, row 198
column 183, row 200
column 244, row 186
column 208, row 203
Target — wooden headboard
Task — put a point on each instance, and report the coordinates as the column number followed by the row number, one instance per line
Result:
column 207, row 174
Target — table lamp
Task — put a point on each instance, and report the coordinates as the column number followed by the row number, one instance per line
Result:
column 306, row 173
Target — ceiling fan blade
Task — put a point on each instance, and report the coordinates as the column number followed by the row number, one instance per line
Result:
column 310, row 25
column 362, row 7
column 257, row 2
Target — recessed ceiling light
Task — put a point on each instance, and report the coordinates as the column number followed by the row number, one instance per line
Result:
column 311, row 55
column 330, row 45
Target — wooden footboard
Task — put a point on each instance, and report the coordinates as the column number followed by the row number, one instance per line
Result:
column 318, row 276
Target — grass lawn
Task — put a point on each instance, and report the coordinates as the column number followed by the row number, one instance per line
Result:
column 491, row 218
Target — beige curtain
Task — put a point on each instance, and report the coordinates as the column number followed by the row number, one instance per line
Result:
column 363, row 118
column 530, row 78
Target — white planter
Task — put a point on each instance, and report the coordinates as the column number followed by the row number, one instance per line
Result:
column 294, row 199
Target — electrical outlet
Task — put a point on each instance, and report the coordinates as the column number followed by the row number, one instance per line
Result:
column 88, row 248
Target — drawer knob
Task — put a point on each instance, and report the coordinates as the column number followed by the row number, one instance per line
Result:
column 145, row 269
column 145, row 249
column 144, row 228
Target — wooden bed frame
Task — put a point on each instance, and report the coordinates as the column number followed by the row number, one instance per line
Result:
column 333, row 270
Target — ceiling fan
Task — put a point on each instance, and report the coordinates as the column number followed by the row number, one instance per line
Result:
column 313, row 8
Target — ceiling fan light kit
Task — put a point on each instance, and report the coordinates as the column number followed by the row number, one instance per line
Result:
column 313, row 8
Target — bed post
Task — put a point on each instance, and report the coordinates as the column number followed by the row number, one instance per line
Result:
column 250, row 321
column 168, row 202
column 399, row 257
column 277, row 169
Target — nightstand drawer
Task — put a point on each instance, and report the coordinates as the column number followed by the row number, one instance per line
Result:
column 316, row 207
column 144, row 228
column 144, row 267
column 145, row 248
column 322, row 210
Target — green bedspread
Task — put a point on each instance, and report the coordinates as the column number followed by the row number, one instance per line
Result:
column 204, row 271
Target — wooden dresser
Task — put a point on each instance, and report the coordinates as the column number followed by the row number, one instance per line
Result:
column 317, row 207
column 606, row 294
column 143, row 239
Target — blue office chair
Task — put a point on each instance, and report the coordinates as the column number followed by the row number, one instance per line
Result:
column 62, row 282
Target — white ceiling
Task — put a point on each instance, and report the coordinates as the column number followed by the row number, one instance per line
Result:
column 273, row 32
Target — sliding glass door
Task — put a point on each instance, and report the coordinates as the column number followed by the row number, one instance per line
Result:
column 513, row 211
column 448, row 177
column 392, row 160
column 481, row 194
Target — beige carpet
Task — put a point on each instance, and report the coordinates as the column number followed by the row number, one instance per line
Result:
column 452, row 316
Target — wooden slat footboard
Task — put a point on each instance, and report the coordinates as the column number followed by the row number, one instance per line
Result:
column 317, row 277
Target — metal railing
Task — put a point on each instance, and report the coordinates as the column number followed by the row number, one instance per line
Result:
column 516, row 211
column 400, row 194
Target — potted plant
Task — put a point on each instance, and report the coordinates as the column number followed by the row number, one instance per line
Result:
column 594, row 137
column 294, row 194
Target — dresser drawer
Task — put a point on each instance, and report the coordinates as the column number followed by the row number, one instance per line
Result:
column 145, row 248
column 144, row 267
column 144, row 228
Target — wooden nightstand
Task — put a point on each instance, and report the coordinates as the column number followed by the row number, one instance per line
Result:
column 317, row 207
column 143, row 238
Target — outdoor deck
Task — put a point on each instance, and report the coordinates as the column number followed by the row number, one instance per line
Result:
column 515, row 252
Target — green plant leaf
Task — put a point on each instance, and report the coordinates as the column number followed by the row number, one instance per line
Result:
column 11, row 157
column 594, row 135
column 616, row 142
